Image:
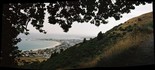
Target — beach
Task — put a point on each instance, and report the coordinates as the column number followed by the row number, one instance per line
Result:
column 52, row 47
column 48, row 47
column 33, row 45
column 42, row 54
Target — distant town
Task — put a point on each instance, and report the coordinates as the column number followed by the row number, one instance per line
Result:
column 46, row 53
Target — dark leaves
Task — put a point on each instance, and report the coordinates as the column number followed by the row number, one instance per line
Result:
column 67, row 11
column 97, row 23
column 34, row 22
column 16, row 21
column 117, row 17
column 87, row 8
column 52, row 20
column 65, row 27
column 26, row 33
column 104, row 22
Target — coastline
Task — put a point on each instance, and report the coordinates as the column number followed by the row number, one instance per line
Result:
column 53, row 46
column 48, row 47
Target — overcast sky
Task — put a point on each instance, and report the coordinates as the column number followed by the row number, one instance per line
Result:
column 88, row 29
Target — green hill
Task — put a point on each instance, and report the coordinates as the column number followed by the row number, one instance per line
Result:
column 128, row 44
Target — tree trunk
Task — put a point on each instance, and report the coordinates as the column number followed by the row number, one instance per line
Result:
column 6, row 46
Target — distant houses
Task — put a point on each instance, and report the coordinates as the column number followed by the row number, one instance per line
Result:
column 47, row 52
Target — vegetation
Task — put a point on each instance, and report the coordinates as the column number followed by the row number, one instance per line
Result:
column 139, row 19
column 84, row 40
column 135, row 47
column 99, row 36
column 17, row 16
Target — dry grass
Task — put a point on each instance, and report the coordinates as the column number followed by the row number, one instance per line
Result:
column 145, row 18
column 120, row 49
column 30, row 59
column 128, row 41
column 124, row 44
column 89, row 62
column 20, row 60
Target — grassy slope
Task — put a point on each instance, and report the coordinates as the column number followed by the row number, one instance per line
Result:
column 124, row 45
column 31, row 59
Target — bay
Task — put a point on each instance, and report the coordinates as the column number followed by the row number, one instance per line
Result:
column 40, row 41
column 29, row 44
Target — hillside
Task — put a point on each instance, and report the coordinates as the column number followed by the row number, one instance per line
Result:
column 128, row 44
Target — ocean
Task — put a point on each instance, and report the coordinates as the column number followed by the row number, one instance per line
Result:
column 30, row 44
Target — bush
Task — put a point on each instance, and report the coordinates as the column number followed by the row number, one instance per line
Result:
column 99, row 36
column 124, row 33
column 121, row 29
column 129, row 28
column 139, row 19
column 84, row 40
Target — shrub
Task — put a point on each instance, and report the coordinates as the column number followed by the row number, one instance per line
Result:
column 121, row 29
column 84, row 40
column 99, row 36
column 129, row 28
column 139, row 19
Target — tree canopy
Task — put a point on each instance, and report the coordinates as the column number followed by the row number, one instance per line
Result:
column 17, row 16
column 65, row 13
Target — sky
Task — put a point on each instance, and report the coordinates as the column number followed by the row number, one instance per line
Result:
column 87, row 29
